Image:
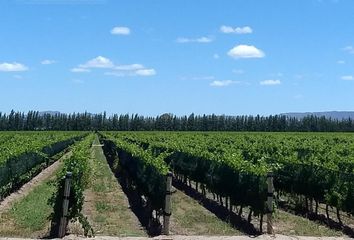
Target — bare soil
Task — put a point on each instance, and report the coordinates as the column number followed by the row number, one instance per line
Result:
column 179, row 237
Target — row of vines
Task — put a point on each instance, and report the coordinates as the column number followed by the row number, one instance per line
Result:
column 79, row 168
column 317, row 167
column 25, row 154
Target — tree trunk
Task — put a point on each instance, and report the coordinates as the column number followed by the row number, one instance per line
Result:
column 316, row 208
column 240, row 211
column 203, row 191
column 261, row 223
column 277, row 194
column 327, row 213
column 338, row 216
column 249, row 216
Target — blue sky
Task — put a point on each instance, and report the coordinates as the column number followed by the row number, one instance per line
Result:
column 151, row 57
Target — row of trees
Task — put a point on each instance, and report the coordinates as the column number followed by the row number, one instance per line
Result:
column 34, row 120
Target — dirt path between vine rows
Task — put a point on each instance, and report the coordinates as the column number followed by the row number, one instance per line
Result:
column 26, row 188
column 181, row 237
column 106, row 205
column 178, row 237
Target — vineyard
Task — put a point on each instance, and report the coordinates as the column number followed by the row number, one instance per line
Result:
column 308, row 169
column 24, row 154
column 236, row 180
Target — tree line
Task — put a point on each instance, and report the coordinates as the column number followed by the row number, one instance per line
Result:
column 34, row 120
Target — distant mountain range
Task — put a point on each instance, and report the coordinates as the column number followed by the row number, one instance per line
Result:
column 333, row 114
column 52, row 113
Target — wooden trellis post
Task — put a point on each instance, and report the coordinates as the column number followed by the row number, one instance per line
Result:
column 167, row 210
column 270, row 203
column 63, row 219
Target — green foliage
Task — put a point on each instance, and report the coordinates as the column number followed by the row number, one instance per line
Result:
column 318, row 166
column 147, row 171
column 33, row 120
column 78, row 165
column 25, row 154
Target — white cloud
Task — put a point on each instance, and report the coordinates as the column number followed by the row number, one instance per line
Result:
column 341, row 62
column 131, row 70
column 117, row 74
column 237, row 30
column 270, row 82
column 47, row 62
column 12, row 67
column 130, row 67
column 246, row 51
column 216, row 56
column 222, row 83
column 98, row 62
column 349, row 49
column 347, row 78
column 79, row 70
column 226, row 29
column 120, row 31
column 135, row 69
column 194, row 40
column 146, row 72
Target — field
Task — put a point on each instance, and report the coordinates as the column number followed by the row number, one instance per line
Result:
column 221, row 183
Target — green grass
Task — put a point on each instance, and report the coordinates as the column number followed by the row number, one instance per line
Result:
column 29, row 215
column 32, row 212
column 102, row 207
column 190, row 218
column 290, row 224
column 106, row 207
column 99, row 188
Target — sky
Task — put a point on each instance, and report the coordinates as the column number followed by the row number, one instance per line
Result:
column 152, row 57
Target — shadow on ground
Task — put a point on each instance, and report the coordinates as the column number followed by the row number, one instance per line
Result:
column 136, row 202
column 319, row 218
column 221, row 212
